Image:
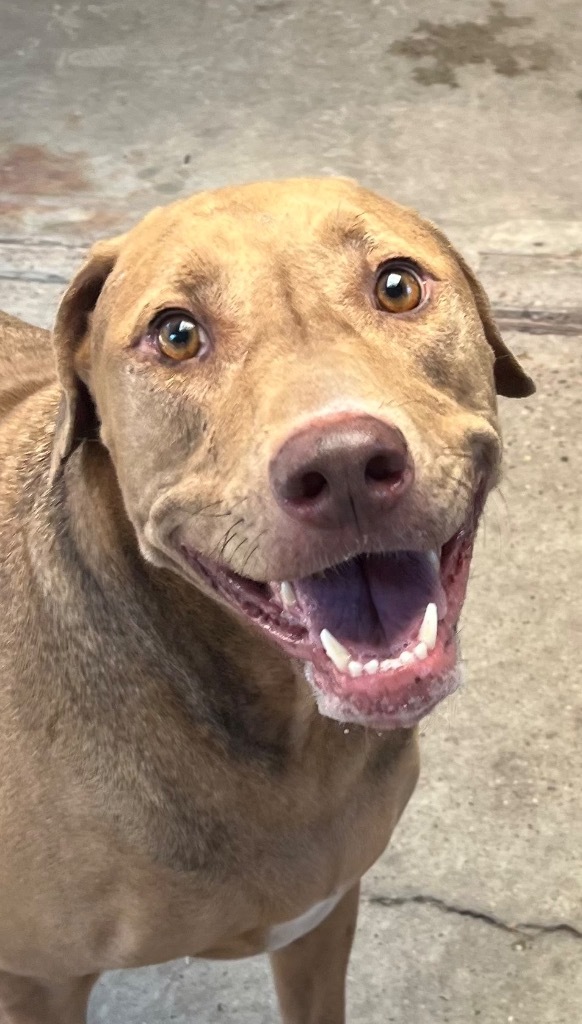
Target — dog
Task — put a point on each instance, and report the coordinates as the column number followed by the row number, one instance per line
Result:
column 235, row 535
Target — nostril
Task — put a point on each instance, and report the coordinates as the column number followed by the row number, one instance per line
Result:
column 307, row 487
column 314, row 484
column 339, row 469
column 387, row 467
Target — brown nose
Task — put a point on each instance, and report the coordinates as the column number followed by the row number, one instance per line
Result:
column 342, row 469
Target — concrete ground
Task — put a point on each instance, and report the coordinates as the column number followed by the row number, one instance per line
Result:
column 472, row 113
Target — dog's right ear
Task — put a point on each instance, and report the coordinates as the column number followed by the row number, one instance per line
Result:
column 77, row 418
column 511, row 379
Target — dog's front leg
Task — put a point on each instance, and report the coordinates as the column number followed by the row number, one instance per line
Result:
column 310, row 973
column 27, row 1001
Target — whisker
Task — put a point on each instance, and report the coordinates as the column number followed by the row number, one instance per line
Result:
column 227, row 538
column 244, row 541
column 253, row 550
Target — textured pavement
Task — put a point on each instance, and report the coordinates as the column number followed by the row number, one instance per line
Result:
column 470, row 112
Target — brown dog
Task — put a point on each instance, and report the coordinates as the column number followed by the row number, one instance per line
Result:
column 241, row 518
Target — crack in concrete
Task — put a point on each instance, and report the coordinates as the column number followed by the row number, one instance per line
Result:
column 530, row 930
column 36, row 276
column 523, row 320
column 539, row 321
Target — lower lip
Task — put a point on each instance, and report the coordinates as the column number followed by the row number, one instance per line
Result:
column 395, row 700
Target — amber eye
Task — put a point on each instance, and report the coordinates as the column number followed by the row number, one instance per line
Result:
column 179, row 337
column 398, row 289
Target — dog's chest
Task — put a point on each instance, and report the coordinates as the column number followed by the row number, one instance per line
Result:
column 258, row 876
column 281, row 935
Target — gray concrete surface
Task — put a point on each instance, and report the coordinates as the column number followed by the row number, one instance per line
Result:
column 472, row 113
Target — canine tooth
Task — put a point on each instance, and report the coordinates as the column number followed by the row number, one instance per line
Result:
column 355, row 668
column 405, row 658
column 427, row 633
column 421, row 651
column 288, row 595
column 335, row 651
column 372, row 666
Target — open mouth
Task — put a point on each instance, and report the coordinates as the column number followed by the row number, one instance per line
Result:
column 377, row 632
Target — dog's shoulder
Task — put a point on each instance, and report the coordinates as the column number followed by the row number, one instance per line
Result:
column 20, row 340
column 26, row 361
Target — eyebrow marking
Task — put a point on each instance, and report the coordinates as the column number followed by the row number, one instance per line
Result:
column 351, row 230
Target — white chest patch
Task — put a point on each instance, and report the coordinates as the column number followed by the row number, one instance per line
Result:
column 283, row 934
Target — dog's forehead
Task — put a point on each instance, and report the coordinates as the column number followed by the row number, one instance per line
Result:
column 297, row 213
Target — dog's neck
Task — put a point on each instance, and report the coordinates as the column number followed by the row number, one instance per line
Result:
column 168, row 685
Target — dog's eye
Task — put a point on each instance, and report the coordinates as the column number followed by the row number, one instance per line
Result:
column 179, row 337
column 399, row 289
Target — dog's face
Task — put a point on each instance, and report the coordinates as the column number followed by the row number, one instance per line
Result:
column 296, row 383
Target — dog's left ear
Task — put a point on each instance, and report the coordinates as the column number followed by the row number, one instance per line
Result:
column 77, row 418
column 511, row 380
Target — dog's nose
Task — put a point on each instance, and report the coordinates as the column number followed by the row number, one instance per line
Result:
column 338, row 471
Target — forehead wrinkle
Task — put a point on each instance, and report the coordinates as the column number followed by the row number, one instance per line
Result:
column 348, row 231
column 383, row 230
column 288, row 296
column 374, row 241
column 183, row 268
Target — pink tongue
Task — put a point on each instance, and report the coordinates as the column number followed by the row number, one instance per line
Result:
column 373, row 600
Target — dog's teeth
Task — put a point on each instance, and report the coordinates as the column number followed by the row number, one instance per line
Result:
column 421, row 651
column 335, row 651
column 288, row 595
column 355, row 668
column 389, row 664
column 372, row 666
column 405, row 658
column 427, row 633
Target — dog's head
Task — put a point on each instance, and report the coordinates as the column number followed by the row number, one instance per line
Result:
column 296, row 383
